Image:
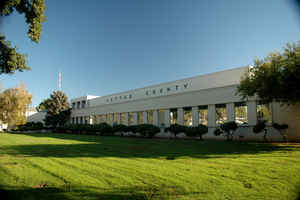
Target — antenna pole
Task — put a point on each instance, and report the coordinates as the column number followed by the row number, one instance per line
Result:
column 59, row 81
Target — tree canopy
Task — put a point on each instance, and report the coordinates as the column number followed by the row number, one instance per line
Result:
column 58, row 109
column 13, row 105
column 10, row 59
column 275, row 78
column 43, row 106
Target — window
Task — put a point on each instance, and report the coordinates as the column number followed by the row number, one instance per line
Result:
column 73, row 105
column 153, row 91
column 221, row 115
column 78, row 105
column 140, row 117
column 76, row 120
column 116, row 115
column 203, row 115
column 83, row 104
column 81, row 120
column 187, row 116
column 168, row 89
column 147, row 93
column 264, row 112
column 185, row 85
column 73, row 120
column 107, row 118
column 101, row 118
column 177, row 87
column 150, row 116
column 161, row 117
column 131, row 118
column 86, row 120
column 130, row 96
column 173, row 116
column 161, row 90
column 122, row 121
column 240, row 112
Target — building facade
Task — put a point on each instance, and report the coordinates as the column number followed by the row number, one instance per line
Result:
column 206, row 99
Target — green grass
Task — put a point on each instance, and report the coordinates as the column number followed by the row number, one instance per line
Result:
column 91, row 167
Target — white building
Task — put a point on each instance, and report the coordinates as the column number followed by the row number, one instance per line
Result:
column 207, row 99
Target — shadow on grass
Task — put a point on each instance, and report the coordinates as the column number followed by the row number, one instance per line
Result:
column 134, row 193
column 139, row 148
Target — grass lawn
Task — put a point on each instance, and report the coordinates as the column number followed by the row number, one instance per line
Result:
column 60, row 166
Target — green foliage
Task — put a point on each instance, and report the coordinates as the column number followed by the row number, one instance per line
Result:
column 175, row 129
column 261, row 127
column 147, row 130
column 276, row 78
column 58, row 109
column 199, row 130
column 227, row 129
column 30, row 126
column 43, row 105
column 281, row 128
column 13, row 105
column 10, row 59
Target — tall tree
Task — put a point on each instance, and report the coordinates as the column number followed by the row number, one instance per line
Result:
column 43, row 105
column 13, row 105
column 10, row 59
column 275, row 78
column 58, row 109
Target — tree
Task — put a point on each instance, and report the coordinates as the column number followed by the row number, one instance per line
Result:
column 43, row 105
column 275, row 78
column 175, row 129
column 58, row 109
column 227, row 129
column 259, row 127
column 199, row 130
column 13, row 105
column 10, row 59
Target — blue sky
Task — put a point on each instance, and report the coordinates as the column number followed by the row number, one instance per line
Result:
column 107, row 46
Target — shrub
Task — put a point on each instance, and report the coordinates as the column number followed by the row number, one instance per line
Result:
column 119, row 128
column 196, row 131
column 259, row 127
column 105, row 129
column 175, row 129
column 281, row 128
column 148, row 130
column 227, row 129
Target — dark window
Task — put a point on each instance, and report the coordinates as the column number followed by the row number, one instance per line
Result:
column 168, row 89
column 161, row 90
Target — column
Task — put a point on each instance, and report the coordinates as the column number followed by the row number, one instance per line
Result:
column 180, row 116
column 211, row 115
column 195, row 111
column 126, row 119
column 135, row 118
column 155, row 117
column 111, row 119
column 252, row 113
column 119, row 118
column 230, row 112
column 145, row 120
column 104, row 118
column 167, row 117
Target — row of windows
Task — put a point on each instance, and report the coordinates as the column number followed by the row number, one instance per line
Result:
column 264, row 112
column 78, row 104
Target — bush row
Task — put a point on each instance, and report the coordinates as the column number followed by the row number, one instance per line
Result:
column 30, row 126
column 146, row 130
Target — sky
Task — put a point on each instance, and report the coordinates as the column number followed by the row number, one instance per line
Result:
column 109, row 46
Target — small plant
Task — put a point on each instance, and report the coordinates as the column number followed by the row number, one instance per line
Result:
column 227, row 129
column 175, row 129
column 259, row 127
column 282, row 130
column 196, row 131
